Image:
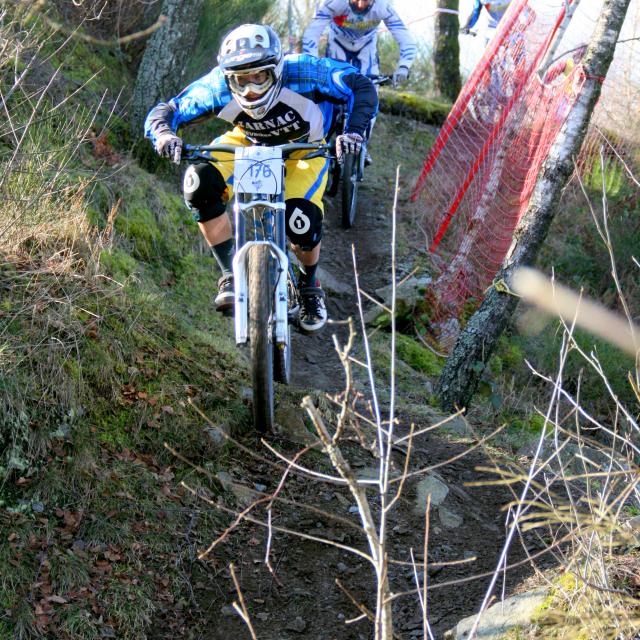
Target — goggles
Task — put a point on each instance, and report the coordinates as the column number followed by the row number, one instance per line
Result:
column 252, row 81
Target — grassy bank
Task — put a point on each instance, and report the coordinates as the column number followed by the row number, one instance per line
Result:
column 107, row 338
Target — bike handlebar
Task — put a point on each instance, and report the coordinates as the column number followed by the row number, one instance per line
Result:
column 380, row 80
column 192, row 151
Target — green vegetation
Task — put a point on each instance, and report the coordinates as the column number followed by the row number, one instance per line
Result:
column 106, row 337
column 418, row 357
column 413, row 106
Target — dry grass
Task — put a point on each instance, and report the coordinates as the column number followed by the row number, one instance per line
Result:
column 49, row 252
column 583, row 482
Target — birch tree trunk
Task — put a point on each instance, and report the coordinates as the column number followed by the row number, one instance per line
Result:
column 446, row 52
column 161, row 71
column 463, row 369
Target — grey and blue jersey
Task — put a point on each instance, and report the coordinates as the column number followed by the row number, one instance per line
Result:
column 495, row 10
column 303, row 111
column 353, row 36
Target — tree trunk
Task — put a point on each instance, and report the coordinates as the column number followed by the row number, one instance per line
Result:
column 161, row 71
column 463, row 369
column 446, row 52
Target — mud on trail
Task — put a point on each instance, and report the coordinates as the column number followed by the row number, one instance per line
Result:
column 301, row 598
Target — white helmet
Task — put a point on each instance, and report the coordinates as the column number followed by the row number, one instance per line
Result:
column 251, row 59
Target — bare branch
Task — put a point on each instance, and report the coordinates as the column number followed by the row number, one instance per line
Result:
column 242, row 609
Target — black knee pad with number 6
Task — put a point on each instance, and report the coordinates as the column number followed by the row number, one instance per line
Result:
column 304, row 223
column 204, row 189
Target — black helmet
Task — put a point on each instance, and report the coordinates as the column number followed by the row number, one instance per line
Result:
column 361, row 12
column 248, row 51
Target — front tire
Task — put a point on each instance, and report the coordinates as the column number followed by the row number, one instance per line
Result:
column 349, row 203
column 333, row 180
column 260, row 339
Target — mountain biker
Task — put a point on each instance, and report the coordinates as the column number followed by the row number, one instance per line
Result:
column 270, row 99
column 495, row 10
column 353, row 27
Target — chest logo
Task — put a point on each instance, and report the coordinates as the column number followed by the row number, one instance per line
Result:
column 278, row 124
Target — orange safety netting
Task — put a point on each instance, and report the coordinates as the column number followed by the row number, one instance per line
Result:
column 477, row 180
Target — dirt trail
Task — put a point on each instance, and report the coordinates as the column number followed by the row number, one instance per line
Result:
column 315, row 361
column 302, row 600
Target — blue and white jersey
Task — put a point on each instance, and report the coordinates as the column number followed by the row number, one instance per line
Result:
column 495, row 10
column 303, row 111
column 350, row 32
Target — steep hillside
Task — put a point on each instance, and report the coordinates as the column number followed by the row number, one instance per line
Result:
column 108, row 343
column 126, row 445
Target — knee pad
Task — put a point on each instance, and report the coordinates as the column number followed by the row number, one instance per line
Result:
column 304, row 223
column 203, row 187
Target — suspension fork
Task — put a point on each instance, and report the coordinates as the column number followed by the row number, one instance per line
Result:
column 280, row 310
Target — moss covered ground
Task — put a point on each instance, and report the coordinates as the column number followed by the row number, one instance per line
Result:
column 107, row 343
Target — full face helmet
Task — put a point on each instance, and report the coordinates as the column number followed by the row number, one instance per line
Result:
column 361, row 7
column 251, row 59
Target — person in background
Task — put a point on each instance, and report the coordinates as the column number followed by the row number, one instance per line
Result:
column 353, row 37
column 268, row 98
column 495, row 11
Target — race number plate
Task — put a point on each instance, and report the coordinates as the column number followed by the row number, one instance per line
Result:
column 258, row 170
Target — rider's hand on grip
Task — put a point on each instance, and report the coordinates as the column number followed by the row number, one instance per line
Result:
column 400, row 76
column 169, row 145
column 348, row 143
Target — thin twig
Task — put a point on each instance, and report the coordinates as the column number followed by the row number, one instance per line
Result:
column 298, row 534
column 242, row 609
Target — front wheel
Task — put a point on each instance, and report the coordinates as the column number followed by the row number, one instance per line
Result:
column 333, row 178
column 349, row 203
column 260, row 339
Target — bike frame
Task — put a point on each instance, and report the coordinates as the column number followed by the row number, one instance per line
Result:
column 265, row 211
column 268, row 217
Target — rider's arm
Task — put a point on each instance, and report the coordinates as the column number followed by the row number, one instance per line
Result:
column 200, row 100
column 475, row 14
column 346, row 84
column 364, row 104
column 327, row 81
column 399, row 31
column 312, row 34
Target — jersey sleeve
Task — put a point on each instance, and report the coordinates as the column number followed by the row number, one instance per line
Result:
column 331, row 80
column 203, row 98
column 312, row 34
column 475, row 14
column 399, row 31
